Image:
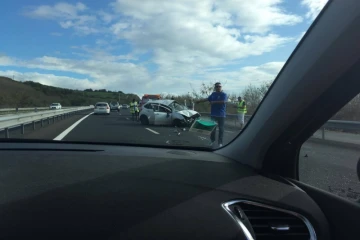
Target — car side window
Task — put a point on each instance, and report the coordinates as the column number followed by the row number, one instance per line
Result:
column 162, row 109
column 155, row 107
column 328, row 159
column 148, row 106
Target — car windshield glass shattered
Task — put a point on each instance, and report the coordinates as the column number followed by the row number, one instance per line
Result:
column 86, row 71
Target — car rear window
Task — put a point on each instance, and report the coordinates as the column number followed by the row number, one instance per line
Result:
column 101, row 105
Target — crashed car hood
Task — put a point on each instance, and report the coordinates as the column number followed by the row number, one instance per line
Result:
column 188, row 113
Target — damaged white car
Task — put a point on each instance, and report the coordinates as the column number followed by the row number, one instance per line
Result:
column 167, row 112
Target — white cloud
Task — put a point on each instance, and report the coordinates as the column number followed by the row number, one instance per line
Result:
column 59, row 10
column 110, row 75
column 314, row 6
column 257, row 16
column 52, row 80
column 251, row 16
column 235, row 81
column 106, row 17
column 188, row 36
column 187, row 41
column 129, row 77
column 67, row 15
column 6, row 61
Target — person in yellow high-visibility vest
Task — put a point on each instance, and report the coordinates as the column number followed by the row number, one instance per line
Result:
column 134, row 110
column 241, row 111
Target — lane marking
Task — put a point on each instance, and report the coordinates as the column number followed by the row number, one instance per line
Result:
column 229, row 131
column 69, row 129
column 152, row 130
column 127, row 119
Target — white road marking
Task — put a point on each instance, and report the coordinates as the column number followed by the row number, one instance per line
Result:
column 69, row 129
column 152, row 130
column 127, row 119
column 229, row 131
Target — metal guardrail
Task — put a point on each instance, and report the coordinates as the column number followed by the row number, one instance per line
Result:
column 330, row 124
column 32, row 109
column 232, row 119
column 12, row 121
column 345, row 125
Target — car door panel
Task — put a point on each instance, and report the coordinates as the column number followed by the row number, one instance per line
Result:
column 162, row 116
column 342, row 215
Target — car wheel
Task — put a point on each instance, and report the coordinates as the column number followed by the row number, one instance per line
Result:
column 177, row 123
column 144, row 120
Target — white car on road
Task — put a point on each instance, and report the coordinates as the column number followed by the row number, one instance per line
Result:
column 102, row 108
column 167, row 112
column 55, row 106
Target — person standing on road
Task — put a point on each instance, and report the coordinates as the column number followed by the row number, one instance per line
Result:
column 134, row 110
column 218, row 101
column 241, row 111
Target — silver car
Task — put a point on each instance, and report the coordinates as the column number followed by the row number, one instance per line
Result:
column 167, row 112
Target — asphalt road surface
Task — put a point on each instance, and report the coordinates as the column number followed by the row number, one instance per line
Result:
column 330, row 167
column 119, row 128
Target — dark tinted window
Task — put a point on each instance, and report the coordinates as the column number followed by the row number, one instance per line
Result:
column 148, row 106
column 101, row 105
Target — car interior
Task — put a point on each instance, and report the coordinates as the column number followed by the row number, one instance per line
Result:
column 248, row 189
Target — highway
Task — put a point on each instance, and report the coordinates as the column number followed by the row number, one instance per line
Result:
column 118, row 128
column 329, row 166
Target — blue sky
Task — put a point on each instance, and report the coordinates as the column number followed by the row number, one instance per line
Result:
column 150, row 46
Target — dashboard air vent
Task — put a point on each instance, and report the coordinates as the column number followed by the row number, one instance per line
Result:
column 263, row 222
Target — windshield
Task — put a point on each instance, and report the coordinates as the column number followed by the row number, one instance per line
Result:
column 177, row 107
column 214, row 58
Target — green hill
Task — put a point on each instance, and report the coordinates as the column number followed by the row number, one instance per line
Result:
column 32, row 94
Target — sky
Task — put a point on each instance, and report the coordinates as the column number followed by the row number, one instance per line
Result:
column 151, row 46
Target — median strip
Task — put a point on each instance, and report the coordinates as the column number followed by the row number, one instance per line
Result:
column 152, row 131
column 66, row 132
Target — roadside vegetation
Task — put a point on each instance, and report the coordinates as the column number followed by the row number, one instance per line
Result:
column 32, row 94
column 253, row 95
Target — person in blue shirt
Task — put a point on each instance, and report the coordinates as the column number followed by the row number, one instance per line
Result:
column 218, row 101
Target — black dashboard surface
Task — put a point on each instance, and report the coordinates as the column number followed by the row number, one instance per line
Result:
column 65, row 191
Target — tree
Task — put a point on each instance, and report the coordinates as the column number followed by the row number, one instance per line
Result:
column 204, row 91
column 253, row 95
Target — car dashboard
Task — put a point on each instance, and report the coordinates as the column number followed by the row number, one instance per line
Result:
column 85, row 191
